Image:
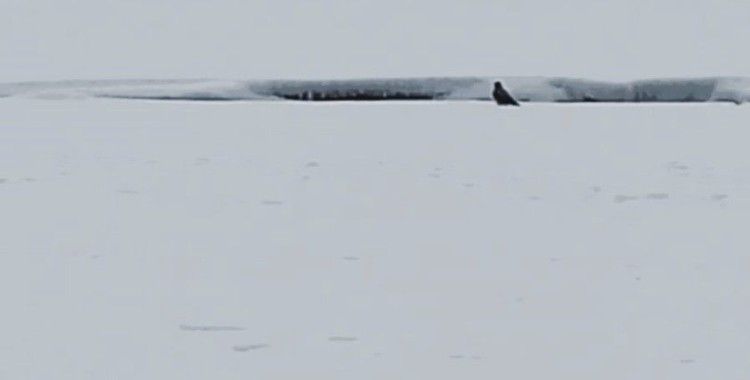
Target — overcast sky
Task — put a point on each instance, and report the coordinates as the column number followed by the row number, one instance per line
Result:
column 605, row 39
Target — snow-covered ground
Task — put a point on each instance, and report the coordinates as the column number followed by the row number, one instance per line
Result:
column 272, row 240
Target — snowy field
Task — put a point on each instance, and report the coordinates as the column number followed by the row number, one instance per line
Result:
column 453, row 240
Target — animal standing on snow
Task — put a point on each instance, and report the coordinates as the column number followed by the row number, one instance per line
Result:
column 502, row 97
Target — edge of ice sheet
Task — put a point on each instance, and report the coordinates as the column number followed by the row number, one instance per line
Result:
column 525, row 89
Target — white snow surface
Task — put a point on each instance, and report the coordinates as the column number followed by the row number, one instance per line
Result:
column 525, row 89
column 273, row 240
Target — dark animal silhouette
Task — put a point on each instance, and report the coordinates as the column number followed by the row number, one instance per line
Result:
column 502, row 97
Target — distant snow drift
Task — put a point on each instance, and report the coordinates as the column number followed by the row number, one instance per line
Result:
column 524, row 89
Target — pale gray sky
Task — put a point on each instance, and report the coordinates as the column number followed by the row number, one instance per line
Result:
column 616, row 39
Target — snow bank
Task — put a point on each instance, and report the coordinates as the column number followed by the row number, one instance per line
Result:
column 134, row 89
column 525, row 89
column 377, row 89
column 736, row 90
column 732, row 89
